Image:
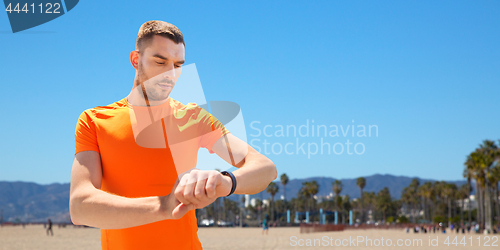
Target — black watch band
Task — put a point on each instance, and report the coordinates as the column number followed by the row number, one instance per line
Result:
column 233, row 180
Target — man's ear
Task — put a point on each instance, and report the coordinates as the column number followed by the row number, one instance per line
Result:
column 134, row 59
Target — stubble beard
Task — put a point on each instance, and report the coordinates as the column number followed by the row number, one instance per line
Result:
column 149, row 86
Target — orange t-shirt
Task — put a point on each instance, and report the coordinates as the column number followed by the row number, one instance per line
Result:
column 142, row 150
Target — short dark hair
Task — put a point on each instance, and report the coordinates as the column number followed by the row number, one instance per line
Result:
column 161, row 28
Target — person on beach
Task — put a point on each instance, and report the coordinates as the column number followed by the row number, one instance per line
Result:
column 49, row 228
column 265, row 225
column 134, row 171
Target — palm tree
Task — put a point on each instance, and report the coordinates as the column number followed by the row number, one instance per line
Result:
column 495, row 179
column 304, row 193
column 462, row 194
column 309, row 190
column 346, row 206
column 468, row 175
column 489, row 152
column 409, row 197
column 272, row 189
column 361, row 182
column 480, row 164
column 425, row 191
column 284, row 181
column 406, row 199
column 242, row 213
column 313, row 190
column 369, row 200
column 449, row 192
column 384, row 201
column 337, row 188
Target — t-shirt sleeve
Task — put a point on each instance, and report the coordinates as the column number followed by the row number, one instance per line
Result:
column 211, row 130
column 85, row 134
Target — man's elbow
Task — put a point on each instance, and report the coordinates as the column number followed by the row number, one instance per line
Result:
column 75, row 209
column 273, row 170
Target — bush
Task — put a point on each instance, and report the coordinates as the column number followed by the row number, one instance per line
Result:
column 438, row 219
column 402, row 219
column 390, row 219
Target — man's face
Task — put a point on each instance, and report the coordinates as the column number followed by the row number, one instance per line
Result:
column 159, row 67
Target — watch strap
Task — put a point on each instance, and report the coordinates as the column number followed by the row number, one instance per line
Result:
column 233, row 180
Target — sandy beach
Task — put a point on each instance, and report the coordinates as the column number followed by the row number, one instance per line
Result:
column 34, row 237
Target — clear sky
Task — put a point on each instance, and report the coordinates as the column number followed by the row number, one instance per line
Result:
column 426, row 73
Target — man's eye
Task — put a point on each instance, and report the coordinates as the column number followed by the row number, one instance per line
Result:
column 160, row 63
column 178, row 66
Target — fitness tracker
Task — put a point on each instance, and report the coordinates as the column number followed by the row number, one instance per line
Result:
column 233, row 180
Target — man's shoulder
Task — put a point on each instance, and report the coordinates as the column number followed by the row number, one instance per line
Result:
column 95, row 111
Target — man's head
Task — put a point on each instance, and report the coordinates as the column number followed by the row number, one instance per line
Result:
column 158, row 58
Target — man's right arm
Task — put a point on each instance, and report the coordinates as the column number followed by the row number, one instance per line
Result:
column 93, row 207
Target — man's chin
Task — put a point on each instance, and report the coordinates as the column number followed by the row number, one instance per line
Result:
column 158, row 98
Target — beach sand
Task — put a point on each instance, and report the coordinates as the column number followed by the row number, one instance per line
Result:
column 34, row 237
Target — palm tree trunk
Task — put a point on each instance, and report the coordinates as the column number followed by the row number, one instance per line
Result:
column 272, row 208
column 413, row 208
column 449, row 211
column 285, row 207
column 462, row 212
column 431, row 210
column 425, row 210
column 284, row 194
column 479, row 203
column 469, row 211
column 362, row 211
column 494, row 202
column 497, row 198
column 241, row 216
column 468, row 206
column 429, row 204
column 453, row 208
column 224, row 214
column 487, row 207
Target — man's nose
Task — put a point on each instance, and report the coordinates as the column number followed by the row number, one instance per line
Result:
column 170, row 73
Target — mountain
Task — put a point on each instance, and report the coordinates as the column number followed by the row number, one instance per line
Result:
column 27, row 201
column 374, row 183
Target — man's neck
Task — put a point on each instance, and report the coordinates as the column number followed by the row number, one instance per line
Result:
column 136, row 98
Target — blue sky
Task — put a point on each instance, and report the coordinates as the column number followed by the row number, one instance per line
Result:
column 426, row 73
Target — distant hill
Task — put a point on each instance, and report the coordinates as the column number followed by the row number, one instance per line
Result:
column 34, row 202
column 27, row 201
column 374, row 183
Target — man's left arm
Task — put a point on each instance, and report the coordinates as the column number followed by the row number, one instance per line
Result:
column 255, row 171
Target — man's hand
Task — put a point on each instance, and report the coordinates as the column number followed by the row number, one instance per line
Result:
column 196, row 189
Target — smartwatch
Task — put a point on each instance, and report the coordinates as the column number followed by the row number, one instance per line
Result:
column 233, row 180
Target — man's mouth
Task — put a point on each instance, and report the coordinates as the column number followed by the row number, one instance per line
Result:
column 165, row 86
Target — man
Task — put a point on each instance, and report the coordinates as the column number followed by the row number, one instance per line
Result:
column 134, row 172
column 49, row 228
column 265, row 226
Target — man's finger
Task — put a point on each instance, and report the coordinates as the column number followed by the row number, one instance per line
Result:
column 211, row 185
column 188, row 196
column 179, row 190
column 200, row 192
column 181, row 210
